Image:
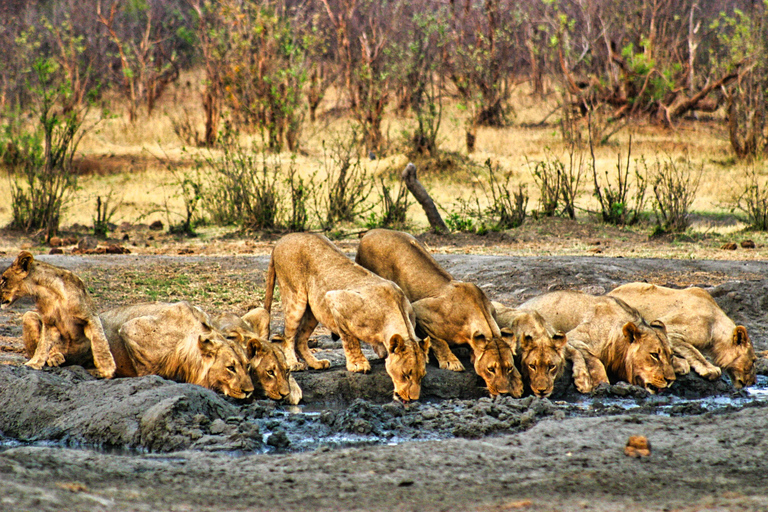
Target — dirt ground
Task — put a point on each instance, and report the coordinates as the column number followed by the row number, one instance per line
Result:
column 72, row 442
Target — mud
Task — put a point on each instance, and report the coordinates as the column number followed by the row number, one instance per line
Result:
column 73, row 442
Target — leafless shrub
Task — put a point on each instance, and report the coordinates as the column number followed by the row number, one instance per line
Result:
column 752, row 198
column 674, row 189
column 621, row 195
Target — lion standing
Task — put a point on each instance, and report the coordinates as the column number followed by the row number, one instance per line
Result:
column 65, row 329
column 318, row 283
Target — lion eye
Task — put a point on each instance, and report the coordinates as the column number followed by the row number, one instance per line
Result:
column 552, row 368
column 532, row 366
column 655, row 355
column 231, row 368
column 271, row 373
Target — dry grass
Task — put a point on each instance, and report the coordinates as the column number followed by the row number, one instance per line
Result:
column 124, row 157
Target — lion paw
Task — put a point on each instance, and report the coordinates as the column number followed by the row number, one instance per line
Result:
column 106, row 373
column 713, row 373
column 454, row 366
column 298, row 366
column 55, row 359
column 322, row 364
column 583, row 383
column 35, row 364
column 359, row 367
column 517, row 387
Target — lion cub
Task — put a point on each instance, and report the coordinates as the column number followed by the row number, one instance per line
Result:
column 65, row 329
column 267, row 366
column 318, row 283
column 607, row 328
column 695, row 322
column 449, row 311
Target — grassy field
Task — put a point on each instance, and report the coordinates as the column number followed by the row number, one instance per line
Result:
column 129, row 159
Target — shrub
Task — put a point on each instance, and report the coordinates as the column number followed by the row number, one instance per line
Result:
column 752, row 198
column 621, row 196
column 674, row 189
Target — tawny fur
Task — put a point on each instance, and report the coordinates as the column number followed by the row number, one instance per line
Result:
column 450, row 312
column 628, row 348
column 176, row 341
column 65, row 329
column 267, row 365
column 318, row 283
column 696, row 324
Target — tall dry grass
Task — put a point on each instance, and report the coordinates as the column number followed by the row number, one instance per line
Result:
column 126, row 157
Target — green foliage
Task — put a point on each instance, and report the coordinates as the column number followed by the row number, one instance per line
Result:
column 622, row 194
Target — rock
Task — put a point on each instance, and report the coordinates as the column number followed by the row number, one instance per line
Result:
column 748, row 244
column 55, row 241
column 730, row 246
column 87, row 243
column 156, row 226
column 218, row 427
column 279, row 439
column 637, row 446
column 56, row 250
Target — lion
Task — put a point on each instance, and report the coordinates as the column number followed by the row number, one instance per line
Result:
column 267, row 367
column 696, row 324
column 178, row 342
column 65, row 329
column 542, row 351
column 627, row 347
column 318, row 283
column 450, row 312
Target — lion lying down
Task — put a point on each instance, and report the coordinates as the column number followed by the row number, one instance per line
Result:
column 607, row 328
column 542, row 351
column 267, row 367
column 318, row 283
column 176, row 341
column 65, row 329
column 696, row 323
column 451, row 312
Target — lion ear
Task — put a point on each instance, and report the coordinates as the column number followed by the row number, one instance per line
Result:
column 206, row 345
column 526, row 342
column 740, row 336
column 253, row 348
column 560, row 339
column 631, row 332
column 508, row 335
column 396, row 344
column 425, row 343
column 24, row 261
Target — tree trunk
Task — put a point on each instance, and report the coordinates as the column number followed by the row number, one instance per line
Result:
column 424, row 199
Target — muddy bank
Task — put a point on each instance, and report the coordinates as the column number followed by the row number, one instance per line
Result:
column 150, row 444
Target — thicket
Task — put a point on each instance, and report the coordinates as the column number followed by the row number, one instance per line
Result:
column 267, row 64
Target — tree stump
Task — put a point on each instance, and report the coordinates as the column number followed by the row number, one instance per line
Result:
column 424, row 199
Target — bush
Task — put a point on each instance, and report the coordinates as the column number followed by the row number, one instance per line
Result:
column 674, row 189
column 393, row 208
column 752, row 198
column 621, row 196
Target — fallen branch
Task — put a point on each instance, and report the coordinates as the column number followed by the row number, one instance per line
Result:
column 424, row 199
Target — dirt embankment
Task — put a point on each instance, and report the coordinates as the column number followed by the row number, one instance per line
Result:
column 180, row 447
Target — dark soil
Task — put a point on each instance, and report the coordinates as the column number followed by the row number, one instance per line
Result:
column 73, row 442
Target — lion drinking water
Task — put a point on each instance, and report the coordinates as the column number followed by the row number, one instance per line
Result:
column 318, row 283
column 606, row 328
column 65, row 328
column 449, row 311
column 178, row 342
column 696, row 323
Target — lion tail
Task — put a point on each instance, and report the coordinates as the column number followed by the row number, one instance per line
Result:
column 270, row 285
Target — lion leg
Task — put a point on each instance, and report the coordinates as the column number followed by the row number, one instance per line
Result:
column 307, row 325
column 102, row 356
column 38, row 341
column 695, row 359
column 446, row 359
column 294, row 313
column 597, row 373
column 581, row 378
column 356, row 361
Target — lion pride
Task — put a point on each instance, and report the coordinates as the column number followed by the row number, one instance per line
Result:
column 65, row 329
column 267, row 366
column 627, row 347
column 449, row 311
column 696, row 323
column 318, row 283
column 175, row 341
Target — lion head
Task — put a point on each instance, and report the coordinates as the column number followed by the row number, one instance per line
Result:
column 737, row 356
column 224, row 365
column 267, row 366
column 406, row 364
column 542, row 361
column 12, row 279
column 648, row 357
column 494, row 361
